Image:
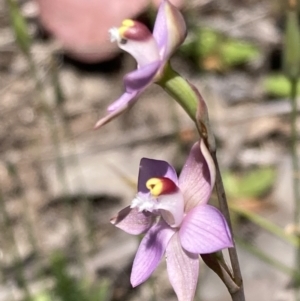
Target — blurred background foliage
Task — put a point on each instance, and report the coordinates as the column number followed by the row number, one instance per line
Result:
column 212, row 50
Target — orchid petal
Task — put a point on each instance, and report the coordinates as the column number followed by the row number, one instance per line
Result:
column 118, row 107
column 210, row 163
column 150, row 168
column 196, row 179
column 169, row 29
column 123, row 101
column 205, row 230
column 132, row 221
column 171, row 207
column 140, row 78
column 183, row 269
column 150, row 252
column 144, row 51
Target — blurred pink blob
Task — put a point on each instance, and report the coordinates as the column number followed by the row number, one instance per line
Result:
column 82, row 25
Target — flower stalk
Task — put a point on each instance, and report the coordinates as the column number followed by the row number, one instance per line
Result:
column 178, row 88
column 291, row 67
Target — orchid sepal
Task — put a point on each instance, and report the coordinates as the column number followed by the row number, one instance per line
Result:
column 169, row 29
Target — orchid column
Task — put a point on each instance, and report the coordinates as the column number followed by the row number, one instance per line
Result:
column 174, row 213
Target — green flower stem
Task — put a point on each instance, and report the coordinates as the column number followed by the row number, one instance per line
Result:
column 11, row 240
column 296, row 174
column 186, row 96
column 295, row 159
column 291, row 68
column 237, row 275
column 179, row 89
column 24, row 41
column 14, row 173
column 61, row 171
column 74, row 158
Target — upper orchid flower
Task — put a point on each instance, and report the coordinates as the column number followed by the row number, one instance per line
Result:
column 151, row 51
column 176, row 218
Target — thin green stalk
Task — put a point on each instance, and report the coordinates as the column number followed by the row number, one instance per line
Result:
column 60, row 164
column 14, row 173
column 9, row 231
column 296, row 177
column 295, row 160
column 85, row 204
column 237, row 274
column 291, row 68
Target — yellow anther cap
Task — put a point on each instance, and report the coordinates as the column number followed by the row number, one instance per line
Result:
column 158, row 186
column 126, row 24
column 133, row 30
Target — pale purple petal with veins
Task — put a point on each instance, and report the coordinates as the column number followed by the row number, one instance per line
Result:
column 183, row 269
column 169, row 29
column 195, row 180
column 204, row 230
column 150, row 252
column 135, row 83
column 132, row 221
column 142, row 52
column 209, row 161
column 118, row 107
column 140, row 78
column 171, row 207
column 123, row 101
column 150, row 168
column 160, row 32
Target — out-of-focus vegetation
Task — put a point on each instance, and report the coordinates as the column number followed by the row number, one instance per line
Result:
column 250, row 184
column 69, row 288
column 211, row 50
column 277, row 85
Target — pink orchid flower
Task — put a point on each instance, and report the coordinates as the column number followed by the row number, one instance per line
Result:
column 151, row 52
column 176, row 219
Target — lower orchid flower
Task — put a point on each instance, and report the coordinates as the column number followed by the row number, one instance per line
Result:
column 176, row 219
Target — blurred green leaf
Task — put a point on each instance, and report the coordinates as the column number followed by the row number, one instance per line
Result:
column 236, row 52
column 20, row 27
column 101, row 292
column 251, row 185
column 278, row 85
column 201, row 44
column 68, row 288
column 227, row 52
column 207, row 41
column 43, row 296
